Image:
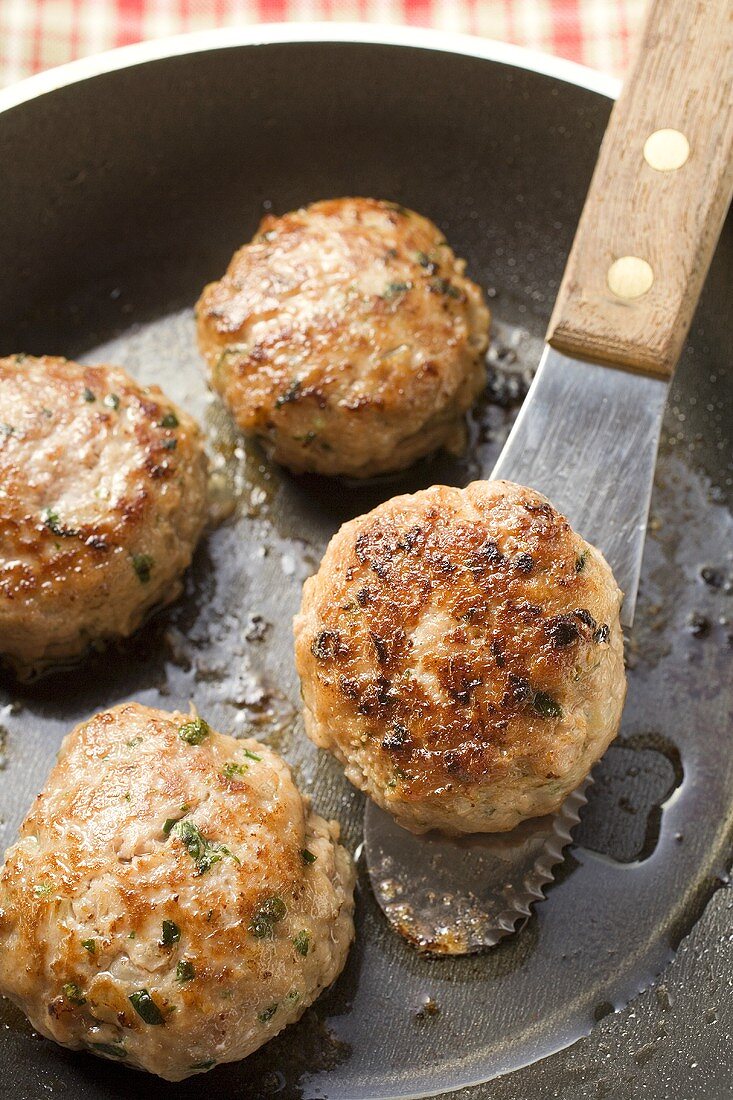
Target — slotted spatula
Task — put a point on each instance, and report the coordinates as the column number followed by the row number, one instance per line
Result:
column 588, row 431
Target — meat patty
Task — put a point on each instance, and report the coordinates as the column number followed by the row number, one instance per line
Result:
column 461, row 654
column 102, row 500
column 346, row 337
column 172, row 902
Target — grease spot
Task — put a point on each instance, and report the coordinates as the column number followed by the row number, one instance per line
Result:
column 632, row 782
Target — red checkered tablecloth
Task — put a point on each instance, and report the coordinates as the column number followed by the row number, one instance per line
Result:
column 37, row 34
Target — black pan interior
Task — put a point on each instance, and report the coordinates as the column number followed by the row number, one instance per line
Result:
column 121, row 197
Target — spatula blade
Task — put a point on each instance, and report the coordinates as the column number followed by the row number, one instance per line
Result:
column 587, row 437
column 455, row 896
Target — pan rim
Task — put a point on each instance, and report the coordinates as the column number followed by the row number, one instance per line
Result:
column 302, row 33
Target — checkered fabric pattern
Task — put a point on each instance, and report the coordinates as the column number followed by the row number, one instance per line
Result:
column 37, row 34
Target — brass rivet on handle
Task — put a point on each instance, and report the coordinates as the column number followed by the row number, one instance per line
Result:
column 629, row 277
column 666, row 150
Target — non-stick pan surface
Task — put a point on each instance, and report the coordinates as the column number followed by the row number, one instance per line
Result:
column 120, row 196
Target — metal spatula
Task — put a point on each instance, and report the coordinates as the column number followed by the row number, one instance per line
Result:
column 587, row 433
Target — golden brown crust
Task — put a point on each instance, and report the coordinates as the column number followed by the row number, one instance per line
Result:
column 446, row 647
column 102, row 499
column 346, row 336
column 100, row 865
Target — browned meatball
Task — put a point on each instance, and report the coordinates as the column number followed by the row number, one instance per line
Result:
column 461, row 654
column 102, row 501
column 172, row 901
column 347, row 337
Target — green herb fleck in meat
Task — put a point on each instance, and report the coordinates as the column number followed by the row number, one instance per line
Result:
column 112, row 401
column 203, row 1065
column 302, row 942
column 393, row 290
column 291, row 394
column 205, row 853
column 307, row 856
column 266, row 916
column 171, row 821
column 88, row 395
column 171, row 933
column 73, row 993
column 185, row 971
column 251, row 755
column 142, row 564
column 580, row 561
column 232, row 769
column 90, row 946
column 170, row 420
column 109, row 1049
column 52, row 521
column 195, row 731
column 268, row 1013
column 42, row 889
column 545, row 705
column 146, row 1007
column 445, row 286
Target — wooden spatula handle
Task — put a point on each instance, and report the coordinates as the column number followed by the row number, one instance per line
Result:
column 657, row 199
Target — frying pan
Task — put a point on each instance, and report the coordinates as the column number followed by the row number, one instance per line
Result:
column 126, row 182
